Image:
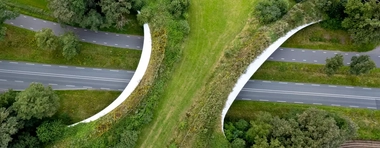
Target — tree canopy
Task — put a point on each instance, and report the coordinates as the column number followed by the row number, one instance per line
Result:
column 362, row 64
column 36, row 101
column 94, row 14
column 271, row 10
column 5, row 15
column 8, row 127
column 46, row 39
column 333, row 64
column 70, row 45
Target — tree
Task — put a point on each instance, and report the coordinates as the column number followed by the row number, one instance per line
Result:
column 70, row 45
column 7, row 98
column 363, row 20
column 5, row 15
column 36, row 101
column 50, row 131
column 238, row 143
column 25, row 140
column 269, row 11
column 362, row 64
column 178, row 7
column 94, row 14
column 8, row 127
column 333, row 64
column 46, row 39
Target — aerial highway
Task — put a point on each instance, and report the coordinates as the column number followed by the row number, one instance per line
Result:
column 317, row 94
column 85, row 35
column 318, row 56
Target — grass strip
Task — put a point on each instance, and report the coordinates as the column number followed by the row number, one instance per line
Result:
column 77, row 105
column 316, row 37
column 19, row 45
column 313, row 73
column 368, row 120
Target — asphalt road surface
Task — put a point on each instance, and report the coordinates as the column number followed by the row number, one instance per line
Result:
column 317, row 94
column 318, row 56
column 85, row 35
column 18, row 76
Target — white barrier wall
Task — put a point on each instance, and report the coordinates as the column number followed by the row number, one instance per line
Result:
column 139, row 73
column 252, row 68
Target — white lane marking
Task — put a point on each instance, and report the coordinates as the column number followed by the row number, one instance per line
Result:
column 315, row 61
column 105, row 42
column 63, row 66
column 324, row 52
column 293, row 59
column 34, row 19
column 94, row 41
column 354, row 106
column 116, row 44
column 302, row 93
column 44, row 21
column 3, row 80
column 348, row 63
column 117, row 35
column 75, row 28
column 245, row 99
column 87, row 87
column 317, row 103
column 114, row 70
column 139, row 37
column 13, row 62
column 127, row 45
column 29, row 64
column 70, row 85
column 128, row 36
column 298, row 102
column 357, row 55
column 282, row 58
column 267, row 81
column 96, row 69
column 335, row 53
column 12, row 23
column 313, row 51
column 24, row 16
column 292, row 50
column 299, row 83
column 303, row 50
column 379, row 56
column 335, row 105
column 263, row 100
column 372, row 107
column 138, row 46
column 346, row 54
column 304, row 60
column 283, row 83
column 134, row 72
column 271, row 57
column 79, row 67
column 46, row 65
column 281, row 49
column 21, row 25
column 31, row 28
column 349, row 87
column 85, row 30
column 83, row 39
column 105, row 88
column 367, row 88
column 1, row 61
column 120, row 89
column 281, row 101
column 52, row 84
column 54, row 24
column 19, row 81
column 106, row 33
column 332, row 86
column 315, row 85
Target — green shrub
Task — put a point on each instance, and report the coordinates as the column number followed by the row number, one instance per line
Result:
column 271, row 10
column 50, row 131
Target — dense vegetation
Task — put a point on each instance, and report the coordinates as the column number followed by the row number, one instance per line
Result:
column 4, row 15
column 24, row 117
column 312, row 128
column 358, row 65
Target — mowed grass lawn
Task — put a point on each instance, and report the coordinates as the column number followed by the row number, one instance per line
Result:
column 316, row 37
column 314, row 73
column 41, row 4
column 78, row 105
column 19, row 45
column 368, row 120
column 214, row 24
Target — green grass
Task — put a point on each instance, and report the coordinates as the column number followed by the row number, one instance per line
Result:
column 20, row 45
column 28, row 7
column 81, row 104
column 367, row 120
column 316, row 37
column 313, row 73
column 210, row 32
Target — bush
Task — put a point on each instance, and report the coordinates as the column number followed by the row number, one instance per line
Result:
column 70, row 44
column 50, row 131
column 269, row 11
column 362, row 64
column 46, row 39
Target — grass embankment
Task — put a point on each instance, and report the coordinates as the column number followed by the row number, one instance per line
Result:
column 367, row 120
column 210, row 32
column 39, row 9
column 19, row 45
column 78, row 105
column 314, row 73
column 316, row 37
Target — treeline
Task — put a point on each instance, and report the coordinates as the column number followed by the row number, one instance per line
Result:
column 312, row 128
column 359, row 17
column 359, row 64
column 5, row 15
column 27, row 117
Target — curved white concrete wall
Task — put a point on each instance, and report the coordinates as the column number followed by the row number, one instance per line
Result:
column 139, row 73
column 252, row 68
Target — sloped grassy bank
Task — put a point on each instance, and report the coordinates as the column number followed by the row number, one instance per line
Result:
column 121, row 127
column 202, row 122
